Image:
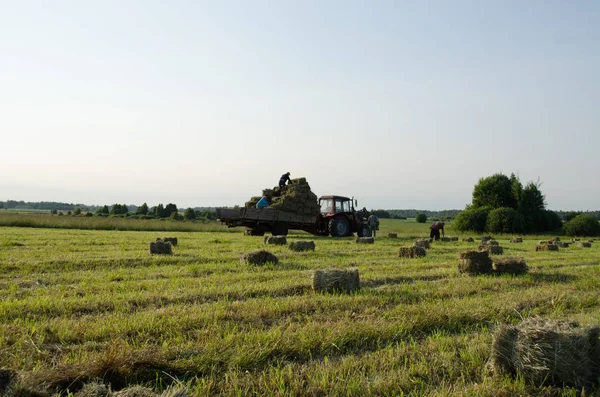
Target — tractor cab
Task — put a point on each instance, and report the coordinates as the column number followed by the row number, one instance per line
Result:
column 340, row 219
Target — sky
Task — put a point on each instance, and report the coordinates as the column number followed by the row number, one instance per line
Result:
column 401, row 104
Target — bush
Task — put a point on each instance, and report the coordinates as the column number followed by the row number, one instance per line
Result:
column 582, row 225
column 501, row 220
column 472, row 219
column 421, row 218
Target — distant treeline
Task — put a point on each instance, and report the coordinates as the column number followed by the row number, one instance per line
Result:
column 412, row 213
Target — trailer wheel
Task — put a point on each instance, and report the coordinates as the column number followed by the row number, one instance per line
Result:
column 364, row 231
column 339, row 227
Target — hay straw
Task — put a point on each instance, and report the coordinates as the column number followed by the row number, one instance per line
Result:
column 334, row 280
column 474, row 262
column 516, row 240
column 393, row 235
column 546, row 247
column 423, row 243
column 135, row 391
column 259, row 257
column 490, row 242
column 94, row 389
column 546, row 352
column 412, row 252
column 468, row 239
column 562, row 245
column 492, row 249
column 161, row 247
column 276, row 240
column 510, row 265
column 584, row 245
column 172, row 240
column 365, row 240
column 302, row 246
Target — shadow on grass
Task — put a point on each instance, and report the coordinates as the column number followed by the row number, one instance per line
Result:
column 552, row 277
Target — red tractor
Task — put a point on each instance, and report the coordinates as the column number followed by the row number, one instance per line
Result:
column 340, row 219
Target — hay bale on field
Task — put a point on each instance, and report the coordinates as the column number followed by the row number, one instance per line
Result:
column 161, row 248
column 136, row 391
column 423, row 243
column 591, row 240
column 492, row 249
column 412, row 252
column 333, row 280
column 516, row 240
column 468, row 239
column 490, row 242
column 94, row 389
column 510, row 265
column 547, row 352
column 393, row 235
column 172, row 240
column 562, row 245
column 555, row 239
column 446, row 239
column 259, row 257
column 365, row 240
column 453, row 238
column 546, row 247
column 486, row 238
column 584, row 245
column 474, row 262
column 276, row 240
column 302, row 246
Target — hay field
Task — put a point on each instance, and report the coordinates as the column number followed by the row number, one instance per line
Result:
column 78, row 305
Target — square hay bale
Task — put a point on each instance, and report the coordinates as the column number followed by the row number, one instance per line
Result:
column 423, row 243
column 302, row 246
column 161, row 248
column 546, row 247
column 365, row 240
column 510, row 265
column 259, row 257
column 591, row 240
column 486, row 238
column 412, row 252
column 555, row 239
column 492, row 249
column 276, row 240
column 562, row 245
column 445, row 239
column 490, row 242
column 474, row 262
column 453, row 238
column 336, row 280
column 584, row 245
column 393, row 235
column 172, row 240
column 468, row 239
column 516, row 240
column 546, row 352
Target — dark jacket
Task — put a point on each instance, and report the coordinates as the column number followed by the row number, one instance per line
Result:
column 284, row 178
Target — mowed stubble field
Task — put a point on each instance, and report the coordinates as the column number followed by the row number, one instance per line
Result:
column 78, row 305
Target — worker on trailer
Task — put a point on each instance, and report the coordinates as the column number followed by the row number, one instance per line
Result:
column 284, row 178
column 435, row 230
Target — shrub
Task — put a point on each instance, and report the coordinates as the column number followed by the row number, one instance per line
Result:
column 502, row 220
column 582, row 225
column 421, row 218
column 471, row 219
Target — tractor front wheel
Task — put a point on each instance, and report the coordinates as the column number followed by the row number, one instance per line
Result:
column 339, row 227
column 364, row 231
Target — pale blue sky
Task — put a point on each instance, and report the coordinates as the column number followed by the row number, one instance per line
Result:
column 400, row 104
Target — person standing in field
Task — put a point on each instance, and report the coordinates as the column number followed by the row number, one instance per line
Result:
column 435, row 230
column 373, row 224
column 284, row 178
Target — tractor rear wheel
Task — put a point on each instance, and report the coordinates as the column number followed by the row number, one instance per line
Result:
column 364, row 231
column 339, row 227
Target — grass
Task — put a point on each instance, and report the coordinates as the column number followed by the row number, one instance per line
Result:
column 77, row 305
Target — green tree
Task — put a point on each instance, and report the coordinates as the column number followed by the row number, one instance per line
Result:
column 176, row 216
column 169, row 209
column 142, row 209
column 421, row 218
column 504, row 220
column 472, row 219
column 582, row 225
column 77, row 211
column 495, row 191
column 189, row 214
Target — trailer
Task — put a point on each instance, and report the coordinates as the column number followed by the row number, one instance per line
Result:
column 337, row 218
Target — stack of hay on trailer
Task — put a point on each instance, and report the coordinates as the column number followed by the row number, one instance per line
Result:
column 296, row 197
